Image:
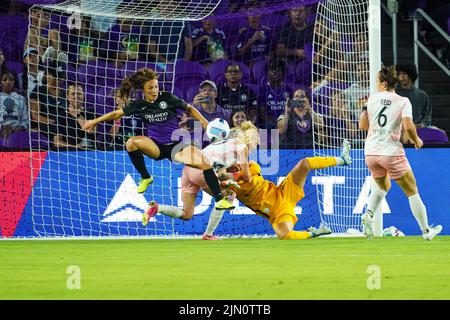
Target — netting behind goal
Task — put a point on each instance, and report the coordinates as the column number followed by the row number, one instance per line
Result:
column 341, row 81
column 87, row 184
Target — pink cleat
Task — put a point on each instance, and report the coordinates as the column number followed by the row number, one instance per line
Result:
column 151, row 211
column 210, row 237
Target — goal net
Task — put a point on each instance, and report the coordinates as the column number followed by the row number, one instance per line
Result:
column 342, row 84
column 87, row 185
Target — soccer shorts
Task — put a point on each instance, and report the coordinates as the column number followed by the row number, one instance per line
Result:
column 192, row 180
column 288, row 195
column 167, row 151
column 380, row 166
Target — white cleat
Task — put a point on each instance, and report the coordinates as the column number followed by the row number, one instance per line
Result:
column 345, row 153
column 432, row 232
column 367, row 225
column 320, row 231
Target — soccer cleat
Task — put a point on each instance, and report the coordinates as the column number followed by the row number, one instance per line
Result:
column 210, row 237
column 432, row 232
column 143, row 184
column 151, row 211
column 367, row 225
column 320, row 231
column 224, row 204
column 345, row 153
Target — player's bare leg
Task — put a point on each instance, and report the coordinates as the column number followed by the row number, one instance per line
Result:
column 138, row 146
column 193, row 157
column 409, row 186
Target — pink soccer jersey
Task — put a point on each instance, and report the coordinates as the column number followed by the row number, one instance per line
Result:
column 386, row 111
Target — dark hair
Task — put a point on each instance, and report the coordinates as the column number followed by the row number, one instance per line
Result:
column 410, row 70
column 389, row 75
column 236, row 111
column 276, row 65
column 136, row 81
column 232, row 65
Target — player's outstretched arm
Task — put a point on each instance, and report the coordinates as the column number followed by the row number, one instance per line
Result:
column 194, row 113
column 90, row 125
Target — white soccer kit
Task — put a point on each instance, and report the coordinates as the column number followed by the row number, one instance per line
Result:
column 386, row 111
column 224, row 154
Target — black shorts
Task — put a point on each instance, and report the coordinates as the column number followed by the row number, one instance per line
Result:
column 165, row 150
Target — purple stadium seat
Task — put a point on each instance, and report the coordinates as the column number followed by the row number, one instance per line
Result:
column 17, row 67
column 13, row 31
column 191, row 93
column 132, row 66
column 303, row 71
column 432, row 135
column 188, row 73
column 21, row 140
column 217, row 71
column 274, row 21
column 179, row 93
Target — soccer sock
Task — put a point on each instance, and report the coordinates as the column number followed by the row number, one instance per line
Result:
column 170, row 211
column 137, row 158
column 213, row 183
column 298, row 235
column 376, row 196
column 322, row 162
column 419, row 211
column 214, row 219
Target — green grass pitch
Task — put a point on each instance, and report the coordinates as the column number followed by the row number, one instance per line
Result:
column 323, row 268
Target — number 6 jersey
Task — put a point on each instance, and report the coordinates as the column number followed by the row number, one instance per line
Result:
column 386, row 111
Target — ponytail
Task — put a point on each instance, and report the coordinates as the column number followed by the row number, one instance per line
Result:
column 136, row 81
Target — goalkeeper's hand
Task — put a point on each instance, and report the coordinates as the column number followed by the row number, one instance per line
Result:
column 230, row 183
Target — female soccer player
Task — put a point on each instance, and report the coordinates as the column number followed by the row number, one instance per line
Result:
column 277, row 203
column 384, row 118
column 158, row 110
column 223, row 153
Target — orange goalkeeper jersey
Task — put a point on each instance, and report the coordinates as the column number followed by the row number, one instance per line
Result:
column 267, row 199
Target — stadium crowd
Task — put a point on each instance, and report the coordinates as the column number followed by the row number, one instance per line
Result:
column 257, row 68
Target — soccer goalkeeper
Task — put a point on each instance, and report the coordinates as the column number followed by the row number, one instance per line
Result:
column 277, row 203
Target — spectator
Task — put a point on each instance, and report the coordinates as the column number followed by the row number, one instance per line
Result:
column 254, row 41
column 83, row 42
column 13, row 108
column 296, row 124
column 240, row 125
column 32, row 77
column 42, row 33
column 208, row 43
column 272, row 95
column 233, row 95
column 164, row 43
column 125, row 127
column 358, row 92
column 205, row 102
column 3, row 68
column 341, row 124
column 70, row 121
column 421, row 106
column 46, row 101
column 294, row 36
column 123, row 43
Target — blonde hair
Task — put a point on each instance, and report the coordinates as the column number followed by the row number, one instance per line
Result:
column 247, row 134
